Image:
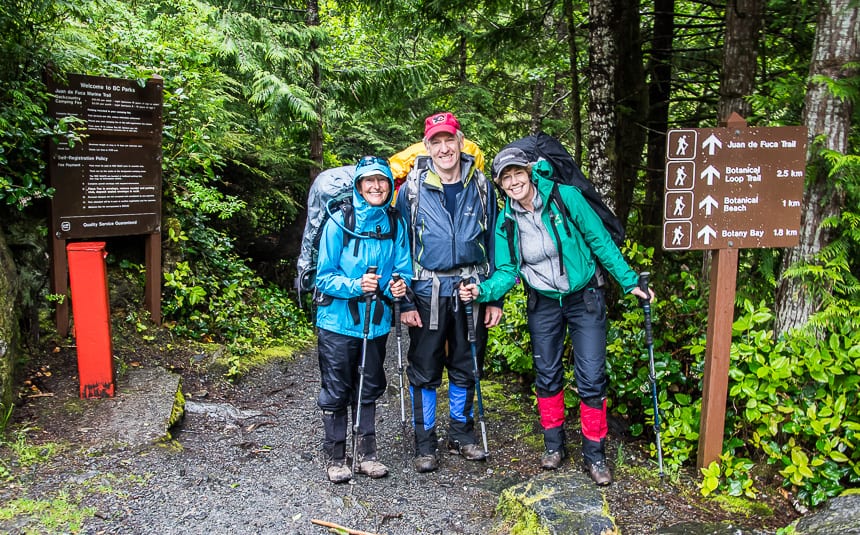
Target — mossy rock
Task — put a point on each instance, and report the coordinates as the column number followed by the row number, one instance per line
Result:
column 555, row 503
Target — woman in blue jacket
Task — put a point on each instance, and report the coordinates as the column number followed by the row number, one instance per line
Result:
column 370, row 235
column 558, row 257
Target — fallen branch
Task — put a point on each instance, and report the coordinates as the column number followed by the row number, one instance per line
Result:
column 342, row 529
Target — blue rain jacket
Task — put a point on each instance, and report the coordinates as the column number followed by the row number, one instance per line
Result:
column 339, row 270
column 443, row 243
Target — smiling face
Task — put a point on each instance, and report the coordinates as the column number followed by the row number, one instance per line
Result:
column 444, row 150
column 517, row 184
column 376, row 189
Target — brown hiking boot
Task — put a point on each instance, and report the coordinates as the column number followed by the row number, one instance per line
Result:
column 470, row 452
column 599, row 473
column 338, row 471
column 372, row 468
column 552, row 459
column 425, row 463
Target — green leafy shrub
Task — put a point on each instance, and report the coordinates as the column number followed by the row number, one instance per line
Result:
column 731, row 475
column 795, row 404
column 509, row 346
column 212, row 295
column 677, row 315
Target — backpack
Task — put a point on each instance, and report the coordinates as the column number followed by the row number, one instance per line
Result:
column 566, row 171
column 329, row 193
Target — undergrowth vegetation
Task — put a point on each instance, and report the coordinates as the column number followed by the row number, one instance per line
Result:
column 793, row 400
column 227, row 302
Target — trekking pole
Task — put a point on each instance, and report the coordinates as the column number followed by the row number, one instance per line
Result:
column 398, row 331
column 368, row 300
column 652, row 375
column 473, row 342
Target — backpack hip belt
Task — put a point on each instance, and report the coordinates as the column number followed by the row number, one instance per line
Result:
column 463, row 272
column 321, row 299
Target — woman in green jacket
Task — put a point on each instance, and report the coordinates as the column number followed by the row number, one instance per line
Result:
column 561, row 260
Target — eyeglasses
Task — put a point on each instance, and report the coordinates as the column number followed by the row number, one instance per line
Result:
column 371, row 160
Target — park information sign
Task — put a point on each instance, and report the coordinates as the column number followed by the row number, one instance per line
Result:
column 109, row 184
column 733, row 187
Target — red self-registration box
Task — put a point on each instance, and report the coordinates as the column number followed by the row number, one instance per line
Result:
column 91, row 313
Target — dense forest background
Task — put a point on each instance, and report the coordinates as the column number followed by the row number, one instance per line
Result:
column 260, row 97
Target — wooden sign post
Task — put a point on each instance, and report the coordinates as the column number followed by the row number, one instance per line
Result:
column 730, row 188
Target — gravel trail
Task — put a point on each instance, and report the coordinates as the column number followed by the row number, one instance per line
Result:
column 252, row 462
column 247, row 458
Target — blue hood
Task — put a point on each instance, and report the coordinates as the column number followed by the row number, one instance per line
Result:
column 364, row 212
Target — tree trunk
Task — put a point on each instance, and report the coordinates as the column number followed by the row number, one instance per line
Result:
column 316, row 130
column 737, row 76
column 9, row 325
column 737, row 79
column 659, row 92
column 537, row 105
column 836, row 43
column 603, row 61
column 463, row 59
column 575, row 98
column 631, row 108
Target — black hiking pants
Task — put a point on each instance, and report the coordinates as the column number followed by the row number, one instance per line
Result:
column 339, row 360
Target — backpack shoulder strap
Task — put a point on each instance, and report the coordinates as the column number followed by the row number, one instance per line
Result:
column 348, row 212
column 411, row 188
column 422, row 161
column 508, row 227
column 555, row 198
column 393, row 220
column 483, row 192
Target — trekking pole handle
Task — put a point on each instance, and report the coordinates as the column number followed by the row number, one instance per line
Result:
column 646, row 305
column 369, row 295
column 396, row 278
column 470, row 320
column 643, row 281
column 368, row 300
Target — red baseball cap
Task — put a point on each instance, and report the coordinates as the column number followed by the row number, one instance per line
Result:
column 440, row 122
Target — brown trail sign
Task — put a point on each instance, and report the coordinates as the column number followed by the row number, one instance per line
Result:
column 734, row 187
column 726, row 189
column 109, row 184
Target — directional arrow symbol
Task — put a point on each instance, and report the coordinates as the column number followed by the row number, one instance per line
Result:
column 708, row 203
column 711, row 143
column 709, row 174
column 708, row 233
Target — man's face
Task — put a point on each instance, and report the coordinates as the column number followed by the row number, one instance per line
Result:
column 444, row 150
column 375, row 189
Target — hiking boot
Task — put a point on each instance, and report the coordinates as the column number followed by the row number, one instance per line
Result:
column 470, row 452
column 372, row 468
column 425, row 463
column 599, row 473
column 338, row 471
column 552, row 459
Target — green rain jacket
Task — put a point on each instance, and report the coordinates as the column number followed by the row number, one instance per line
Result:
column 587, row 243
